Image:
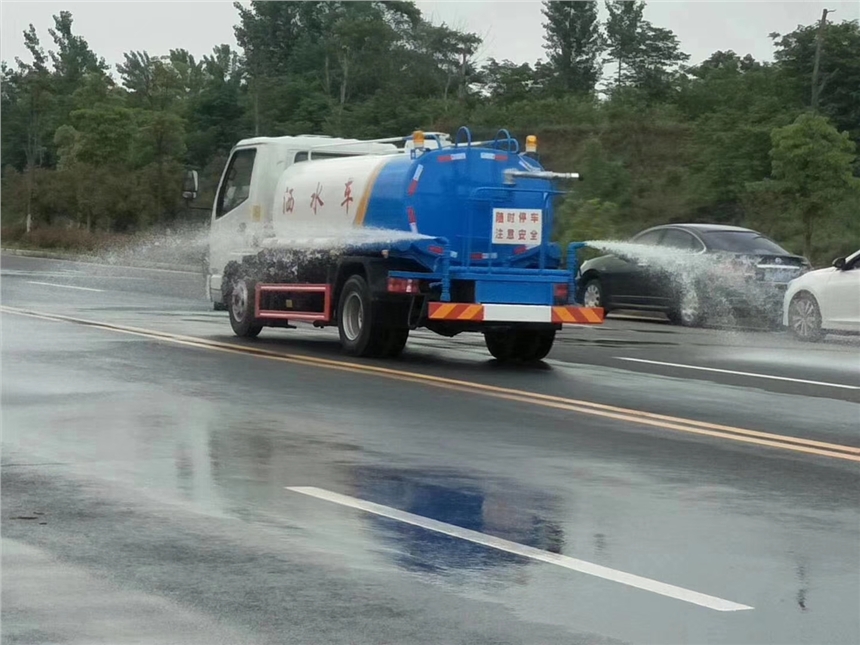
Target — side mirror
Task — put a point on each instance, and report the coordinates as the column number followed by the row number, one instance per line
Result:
column 839, row 263
column 190, row 185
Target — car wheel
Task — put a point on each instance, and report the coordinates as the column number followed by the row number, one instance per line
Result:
column 687, row 310
column 804, row 318
column 592, row 294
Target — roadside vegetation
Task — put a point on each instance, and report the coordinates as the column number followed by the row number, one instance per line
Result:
column 93, row 155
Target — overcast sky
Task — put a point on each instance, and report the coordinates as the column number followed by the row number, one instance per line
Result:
column 511, row 29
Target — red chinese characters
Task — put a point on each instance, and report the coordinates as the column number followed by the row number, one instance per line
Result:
column 347, row 195
column 316, row 199
column 289, row 201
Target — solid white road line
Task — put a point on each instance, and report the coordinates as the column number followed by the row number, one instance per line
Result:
column 646, row 584
column 63, row 286
column 736, row 373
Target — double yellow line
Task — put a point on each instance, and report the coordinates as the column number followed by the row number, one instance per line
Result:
column 664, row 422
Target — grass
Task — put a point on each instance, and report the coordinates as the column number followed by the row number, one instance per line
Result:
column 62, row 239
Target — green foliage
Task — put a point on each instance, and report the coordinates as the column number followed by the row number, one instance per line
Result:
column 720, row 142
column 585, row 220
column 645, row 57
column 573, row 43
column 839, row 70
column 811, row 173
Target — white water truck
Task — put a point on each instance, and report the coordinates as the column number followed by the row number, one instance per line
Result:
column 380, row 239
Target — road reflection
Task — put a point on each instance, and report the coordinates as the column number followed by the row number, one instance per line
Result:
column 466, row 503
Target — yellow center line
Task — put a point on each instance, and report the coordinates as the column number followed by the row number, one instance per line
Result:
column 797, row 444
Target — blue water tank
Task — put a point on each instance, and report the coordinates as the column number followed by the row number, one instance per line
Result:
column 460, row 193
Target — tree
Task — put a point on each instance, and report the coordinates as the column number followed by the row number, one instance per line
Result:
column 645, row 56
column 153, row 83
column 839, row 70
column 573, row 43
column 623, row 31
column 735, row 103
column 34, row 101
column 812, row 170
column 507, row 82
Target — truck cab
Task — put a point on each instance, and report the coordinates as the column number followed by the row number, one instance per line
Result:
column 243, row 209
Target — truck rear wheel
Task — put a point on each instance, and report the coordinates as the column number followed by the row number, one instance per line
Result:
column 360, row 323
column 240, row 304
column 520, row 345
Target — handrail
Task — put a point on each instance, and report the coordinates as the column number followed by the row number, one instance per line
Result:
column 468, row 132
column 507, row 140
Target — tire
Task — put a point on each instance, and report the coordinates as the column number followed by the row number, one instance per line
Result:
column 360, row 334
column 593, row 295
column 394, row 342
column 534, row 345
column 687, row 310
column 501, row 344
column 240, row 305
column 520, row 345
column 804, row 318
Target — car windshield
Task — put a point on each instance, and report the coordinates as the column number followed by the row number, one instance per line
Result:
column 742, row 242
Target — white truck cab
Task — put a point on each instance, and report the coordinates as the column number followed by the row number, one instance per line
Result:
column 243, row 209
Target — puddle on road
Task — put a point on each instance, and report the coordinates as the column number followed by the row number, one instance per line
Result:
column 524, row 517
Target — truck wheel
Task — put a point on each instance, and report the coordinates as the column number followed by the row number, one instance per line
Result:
column 520, row 345
column 359, row 336
column 501, row 344
column 534, row 345
column 241, row 308
column 395, row 341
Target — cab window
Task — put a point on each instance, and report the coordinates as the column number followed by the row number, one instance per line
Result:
column 237, row 182
column 303, row 156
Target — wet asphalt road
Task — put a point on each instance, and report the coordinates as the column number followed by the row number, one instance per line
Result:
column 145, row 482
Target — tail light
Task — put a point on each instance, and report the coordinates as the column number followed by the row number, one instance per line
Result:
column 404, row 285
column 560, row 292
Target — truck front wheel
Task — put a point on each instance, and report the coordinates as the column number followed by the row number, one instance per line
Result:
column 240, row 304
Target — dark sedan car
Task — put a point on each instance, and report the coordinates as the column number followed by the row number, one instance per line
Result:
column 692, row 272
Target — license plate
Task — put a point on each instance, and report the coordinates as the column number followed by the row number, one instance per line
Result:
column 780, row 275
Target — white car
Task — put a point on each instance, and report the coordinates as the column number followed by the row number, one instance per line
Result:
column 825, row 300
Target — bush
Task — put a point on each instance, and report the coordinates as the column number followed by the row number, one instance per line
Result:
column 62, row 239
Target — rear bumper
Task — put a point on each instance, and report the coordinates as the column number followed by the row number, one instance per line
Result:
column 468, row 312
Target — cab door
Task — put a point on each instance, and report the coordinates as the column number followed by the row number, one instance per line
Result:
column 234, row 218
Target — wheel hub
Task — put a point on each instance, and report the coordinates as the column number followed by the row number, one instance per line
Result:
column 239, row 300
column 353, row 316
column 591, row 298
column 804, row 319
column 689, row 306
